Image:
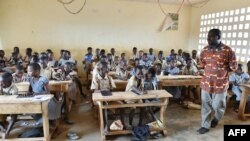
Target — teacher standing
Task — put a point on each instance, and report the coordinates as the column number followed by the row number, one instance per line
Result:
column 218, row 60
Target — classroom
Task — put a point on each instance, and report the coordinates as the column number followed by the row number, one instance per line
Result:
column 124, row 70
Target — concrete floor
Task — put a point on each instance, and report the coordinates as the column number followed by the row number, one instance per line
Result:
column 181, row 125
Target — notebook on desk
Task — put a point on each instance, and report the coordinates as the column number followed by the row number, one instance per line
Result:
column 106, row 93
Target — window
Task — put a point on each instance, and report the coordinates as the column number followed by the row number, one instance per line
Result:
column 234, row 25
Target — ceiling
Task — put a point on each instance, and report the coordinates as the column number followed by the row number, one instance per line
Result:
column 186, row 2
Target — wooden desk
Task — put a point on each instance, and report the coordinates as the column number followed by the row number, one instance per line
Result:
column 245, row 93
column 118, row 96
column 14, row 105
column 179, row 80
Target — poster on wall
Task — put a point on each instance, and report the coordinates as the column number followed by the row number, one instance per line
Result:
column 175, row 21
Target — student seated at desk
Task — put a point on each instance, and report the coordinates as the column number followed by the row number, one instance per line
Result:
column 132, row 71
column 28, row 55
column 145, row 62
column 173, row 70
column 151, row 83
column 103, row 82
column 189, row 69
column 34, row 59
column 235, row 79
column 96, row 69
column 2, row 56
column 115, row 64
column 135, row 84
column 40, row 85
column 7, row 88
column 66, row 57
column 3, row 67
column 158, row 69
column 121, row 72
column 19, row 75
column 46, row 71
column 52, row 62
column 67, row 73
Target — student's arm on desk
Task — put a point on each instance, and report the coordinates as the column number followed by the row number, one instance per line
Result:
column 137, row 91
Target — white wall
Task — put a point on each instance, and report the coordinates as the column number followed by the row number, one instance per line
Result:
column 122, row 24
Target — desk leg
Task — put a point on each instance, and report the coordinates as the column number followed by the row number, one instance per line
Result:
column 198, row 92
column 103, row 137
column 162, row 112
column 243, row 104
column 45, row 121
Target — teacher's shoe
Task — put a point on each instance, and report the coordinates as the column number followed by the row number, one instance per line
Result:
column 203, row 130
column 214, row 123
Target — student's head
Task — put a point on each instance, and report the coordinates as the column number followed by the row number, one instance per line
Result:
column 109, row 56
column 116, row 59
column 123, row 65
column 16, row 49
column 89, row 50
column 28, row 51
column 97, row 51
column 239, row 69
column 103, row 69
column 36, row 53
column 134, row 50
column 141, row 52
column 2, row 53
column 213, row 37
column 123, row 55
column 160, row 53
column 61, row 52
column 187, row 56
column 151, row 73
column 194, row 52
column 137, row 61
column 172, row 52
column 112, row 51
column 44, row 61
column 50, row 56
column 67, row 67
column 151, row 50
column 34, row 70
column 48, row 51
column 2, row 64
column 66, row 55
column 173, row 63
column 102, row 52
column 189, row 62
column 145, row 56
column 19, row 69
column 34, row 59
column 138, row 72
column 43, row 54
column 6, row 80
column 104, row 58
column 158, row 67
column 180, row 52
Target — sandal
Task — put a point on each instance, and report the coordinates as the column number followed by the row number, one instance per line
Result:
column 73, row 136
